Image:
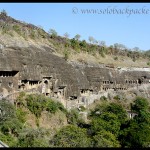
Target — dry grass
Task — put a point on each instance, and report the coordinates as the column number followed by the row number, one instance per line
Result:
column 108, row 59
column 53, row 121
column 30, row 119
column 123, row 61
column 19, row 41
column 47, row 120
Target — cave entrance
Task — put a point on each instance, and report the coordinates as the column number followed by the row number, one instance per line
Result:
column 46, row 82
column 73, row 97
column 139, row 81
column 47, row 94
column 8, row 73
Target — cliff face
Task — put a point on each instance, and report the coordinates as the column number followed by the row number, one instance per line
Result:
column 34, row 64
column 27, row 65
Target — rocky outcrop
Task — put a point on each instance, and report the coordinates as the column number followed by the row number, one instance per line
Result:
column 33, row 64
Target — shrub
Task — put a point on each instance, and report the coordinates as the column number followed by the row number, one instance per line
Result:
column 82, row 108
column 83, row 44
column 37, row 103
column 8, row 139
column 61, row 107
column 51, row 106
column 103, row 98
column 12, row 127
column 66, row 54
column 148, row 63
column 21, row 115
column 116, row 58
column 117, row 97
column 102, row 54
column 75, row 44
column 17, row 29
column 73, row 117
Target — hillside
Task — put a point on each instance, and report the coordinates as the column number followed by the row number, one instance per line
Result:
column 15, row 33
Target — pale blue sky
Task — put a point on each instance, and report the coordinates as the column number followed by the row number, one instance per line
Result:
column 133, row 30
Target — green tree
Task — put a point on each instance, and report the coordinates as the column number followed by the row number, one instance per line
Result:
column 141, row 107
column 71, row 136
column 91, row 39
column 77, row 37
column 102, row 43
column 140, row 104
column 21, row 115
column 66, row 54
column 66, row 35
column 17, row 29
column 106, row 121
column 32, row 138
column 51, row 106
column 12, row 127
column 102, row 51
column 61, row 107
column 20, row 100
column 136, row 132
column 53, row 33
column 99, row 109
column 105, row 139
column 73, row 117
column 4, row 12
column 148, row 63
column 10, row 140
column 135, row 135
column 75, row 44
column 136, row 49
column 111, row 47
column 7, row 111
column 83, row 44
column 37, row 103
column 118, row 110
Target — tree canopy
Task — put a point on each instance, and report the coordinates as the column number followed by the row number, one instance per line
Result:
column 71, row 136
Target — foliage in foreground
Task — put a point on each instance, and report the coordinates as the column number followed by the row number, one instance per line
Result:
column 71, row 136
column 109, row 125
